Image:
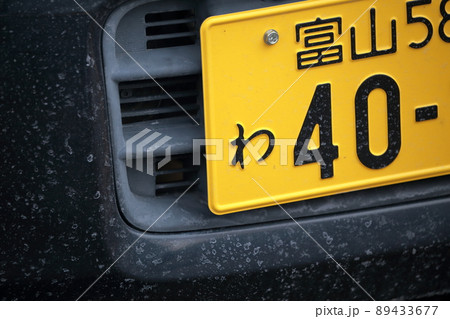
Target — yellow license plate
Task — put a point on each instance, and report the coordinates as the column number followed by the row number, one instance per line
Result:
column 323, row 97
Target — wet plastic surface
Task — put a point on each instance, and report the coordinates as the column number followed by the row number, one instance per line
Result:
column 61, row 227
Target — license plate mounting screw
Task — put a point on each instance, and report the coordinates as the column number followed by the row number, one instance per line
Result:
column 271, row 37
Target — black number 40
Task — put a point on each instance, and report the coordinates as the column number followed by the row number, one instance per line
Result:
column 319, row 113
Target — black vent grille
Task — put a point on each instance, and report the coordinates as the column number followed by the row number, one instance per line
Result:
column 170, row 29
column 175, row 176
column 145, row 100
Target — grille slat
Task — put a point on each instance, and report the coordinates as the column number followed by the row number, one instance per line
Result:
column 157, row 111
column 170, row 22
column 168, row 15
column 173, row 186
column 145, row 100
column 158, row 97
column 174, row 171
column 164, row 82
column 170, row 36
column 170, row 29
